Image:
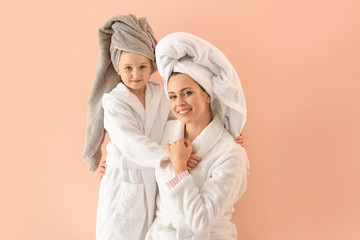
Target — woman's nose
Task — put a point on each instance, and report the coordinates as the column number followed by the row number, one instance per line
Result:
column 180, row 101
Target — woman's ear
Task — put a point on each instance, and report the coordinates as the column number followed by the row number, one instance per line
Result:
column 208, row 99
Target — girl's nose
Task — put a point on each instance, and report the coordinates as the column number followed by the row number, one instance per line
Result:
column 135, row 74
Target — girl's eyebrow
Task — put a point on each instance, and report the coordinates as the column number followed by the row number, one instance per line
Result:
column 180, row 90
column 129, row 64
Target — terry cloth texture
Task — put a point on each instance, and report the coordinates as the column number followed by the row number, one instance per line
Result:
column 209, row 67
column 120, row 33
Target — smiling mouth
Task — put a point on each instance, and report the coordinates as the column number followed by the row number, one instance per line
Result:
column 184, row 112
column 136, row 81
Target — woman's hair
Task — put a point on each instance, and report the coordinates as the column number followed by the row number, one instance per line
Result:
column 177, row 73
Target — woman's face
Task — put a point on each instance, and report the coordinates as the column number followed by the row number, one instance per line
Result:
column 135, row 70
column 188, row 101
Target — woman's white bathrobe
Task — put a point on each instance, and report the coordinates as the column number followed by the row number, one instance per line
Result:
column 127, row 191
column 200, row 206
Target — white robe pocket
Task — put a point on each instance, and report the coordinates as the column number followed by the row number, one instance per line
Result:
column 131, row 204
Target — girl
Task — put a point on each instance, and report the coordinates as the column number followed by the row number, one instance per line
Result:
column 206, row 96
column 133, row 111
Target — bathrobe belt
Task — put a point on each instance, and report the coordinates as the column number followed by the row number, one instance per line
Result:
column 121, row 162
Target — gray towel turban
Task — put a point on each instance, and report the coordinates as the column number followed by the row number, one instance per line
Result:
column 120, row 33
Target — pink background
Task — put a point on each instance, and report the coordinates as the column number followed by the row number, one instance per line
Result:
column 299, row 66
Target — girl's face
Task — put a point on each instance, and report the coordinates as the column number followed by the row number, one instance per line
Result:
column 135, row 70
column 188, row 101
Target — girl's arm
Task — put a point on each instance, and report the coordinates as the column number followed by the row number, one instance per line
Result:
column 124, row 132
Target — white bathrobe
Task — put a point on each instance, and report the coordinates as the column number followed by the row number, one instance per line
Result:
column 200, row 206
column 127, row 191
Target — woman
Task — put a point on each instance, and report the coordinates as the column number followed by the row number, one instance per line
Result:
column 206, row 96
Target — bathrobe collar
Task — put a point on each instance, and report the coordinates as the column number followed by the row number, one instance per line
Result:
column 207, row 138
column 152, row 103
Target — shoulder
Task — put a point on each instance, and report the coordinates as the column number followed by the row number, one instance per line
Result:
column 156, row 89
column 170, row 131
column 119, row 91
column 172, row 124
column 232, row 152
column 154, row 84
column 116, row 98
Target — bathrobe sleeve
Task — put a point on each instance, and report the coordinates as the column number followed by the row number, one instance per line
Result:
column 121, row 124
column 202, row 207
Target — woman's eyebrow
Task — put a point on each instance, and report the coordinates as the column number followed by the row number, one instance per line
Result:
column 183, row 89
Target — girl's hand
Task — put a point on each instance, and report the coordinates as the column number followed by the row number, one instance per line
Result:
column 102, row 168
column 240, row 140
column 193, row 160
column 179, row 152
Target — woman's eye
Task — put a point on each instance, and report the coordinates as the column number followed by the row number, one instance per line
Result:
column 187, row 93
column 172, row 97
column 143, row 67
column 127, row 68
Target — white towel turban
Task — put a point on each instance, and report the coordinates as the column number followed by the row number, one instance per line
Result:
column 210, row 68
column 120, row 33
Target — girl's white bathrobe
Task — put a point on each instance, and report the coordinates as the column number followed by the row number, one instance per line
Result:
column 200, row 206
column 127, row 190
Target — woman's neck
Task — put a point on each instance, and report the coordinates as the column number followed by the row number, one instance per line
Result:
column 192, row 130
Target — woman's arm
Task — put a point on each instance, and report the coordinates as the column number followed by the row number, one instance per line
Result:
column 201, row 207
column 179, row 152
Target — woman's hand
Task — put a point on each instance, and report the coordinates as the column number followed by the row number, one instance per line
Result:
column 102, row 168
column 240, row 140
column 179, row 153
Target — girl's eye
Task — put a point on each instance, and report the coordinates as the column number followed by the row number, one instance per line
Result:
column 187, row 93
column 172, row 97
column 143, row 67
column 128, row 68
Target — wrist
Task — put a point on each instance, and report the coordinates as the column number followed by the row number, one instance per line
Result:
column 179, row 169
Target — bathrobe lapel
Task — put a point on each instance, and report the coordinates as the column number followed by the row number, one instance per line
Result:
column 152, row 104
column 206, row 139
column 130, row 98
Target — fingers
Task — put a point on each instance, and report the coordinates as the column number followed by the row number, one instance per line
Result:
column 193, row 161
column 168, row 149
column 193, row 151
column 240, row 140
column 242, row 143
column 196, row 158
column 191, row 164
column 102, row 168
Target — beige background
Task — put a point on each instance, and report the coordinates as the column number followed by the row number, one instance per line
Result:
column 298, row 62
